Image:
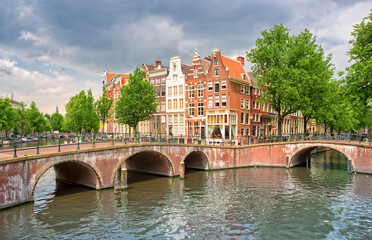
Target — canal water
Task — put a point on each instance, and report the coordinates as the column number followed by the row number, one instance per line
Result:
column 319, row 202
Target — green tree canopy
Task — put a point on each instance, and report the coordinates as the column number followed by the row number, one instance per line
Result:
column 359, row 74
column 80, row 113
column 7, row 116
column 36, row 121
column 21, row 118
column 137, row 100
column 56, row 121
column 284, row 66
column 103, row 106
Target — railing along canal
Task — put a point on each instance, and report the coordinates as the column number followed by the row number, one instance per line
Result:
column 16, row 146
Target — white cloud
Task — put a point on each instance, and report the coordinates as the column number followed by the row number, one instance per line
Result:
column 47, row 91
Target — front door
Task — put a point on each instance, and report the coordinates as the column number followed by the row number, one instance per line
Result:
column 227, row 132
column 202, row 132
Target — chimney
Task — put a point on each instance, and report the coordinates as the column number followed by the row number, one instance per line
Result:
column 241, row 60
column 157, row 63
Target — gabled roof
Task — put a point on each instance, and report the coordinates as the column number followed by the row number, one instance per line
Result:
column 185, row 68
column 149, row 67
column 235, row 68
column 205, row 65
column 252, row 78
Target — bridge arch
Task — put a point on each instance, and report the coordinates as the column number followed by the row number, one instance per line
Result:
column 145, row 160
column 196, row 159
column 301, row 154
column 74, row 171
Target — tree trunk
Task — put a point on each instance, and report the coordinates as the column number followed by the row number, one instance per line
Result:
column 305, row 123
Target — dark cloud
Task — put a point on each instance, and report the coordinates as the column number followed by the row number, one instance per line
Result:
column 120, row 35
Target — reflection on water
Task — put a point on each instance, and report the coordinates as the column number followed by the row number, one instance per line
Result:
column 248, row 203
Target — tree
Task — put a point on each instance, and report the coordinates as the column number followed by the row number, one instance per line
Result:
column 137, row 100
column 103, row 106
column 7, row 116
column 359, row 74
column 335, row 113
column 274, row 63
column 21, row 118
column 315, row 73
column 36, row 121
column 56, row 121
column 80, row 114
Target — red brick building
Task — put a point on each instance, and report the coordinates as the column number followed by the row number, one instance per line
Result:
column 156, row 75
column 113, row 84
column 196, row 99
column 227, row 97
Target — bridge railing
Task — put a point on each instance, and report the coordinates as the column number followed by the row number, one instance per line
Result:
column 62, row 141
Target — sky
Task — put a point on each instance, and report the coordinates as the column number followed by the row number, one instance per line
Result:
column 50, row 50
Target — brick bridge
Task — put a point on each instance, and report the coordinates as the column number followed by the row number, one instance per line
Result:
column 106, row 167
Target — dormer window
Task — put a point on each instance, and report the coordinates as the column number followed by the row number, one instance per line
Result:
column 216, row 72
column 174, row 67
column 244, row 77
column 215, row 62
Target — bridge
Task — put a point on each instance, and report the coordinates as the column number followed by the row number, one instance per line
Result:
column 106, row 166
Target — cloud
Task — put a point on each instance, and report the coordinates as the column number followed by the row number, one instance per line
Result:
column 47, row 91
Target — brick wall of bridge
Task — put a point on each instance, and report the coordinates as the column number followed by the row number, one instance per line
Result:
column 99, row 167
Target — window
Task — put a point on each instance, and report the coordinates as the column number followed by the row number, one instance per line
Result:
column 242, row 103
column 254, row 104
column 162, row 92
column 163, row 105
column 191, row 91
column 169, row 91
column 163, row 81
column 152, row 81
column 174, row 90
column 247, row 119
column 210, row 101
column 180, row 89
column 247, row 90
column 158, row 92
column 247, row 104
column 217, row 101
column 248, row 133
column 244, row 77
column 200, row 109
column 200, row 90
column 216, row 72
column 223, row 85
column 223, row 100
column 181, row 119
column 215, row 62
column 196, row 128
column 191, row 109
column 258, row 91
column 175, row 104
column 242, row 118
column 181, row 103
column 254, row 130
column 158, row 82
column 210, row 86
column 169, row 104
column 174, row 77
column 216, row 87
column 242, row 89
column 174, row 67
column 242, row 131
column 258, row 105
column 196, row 72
